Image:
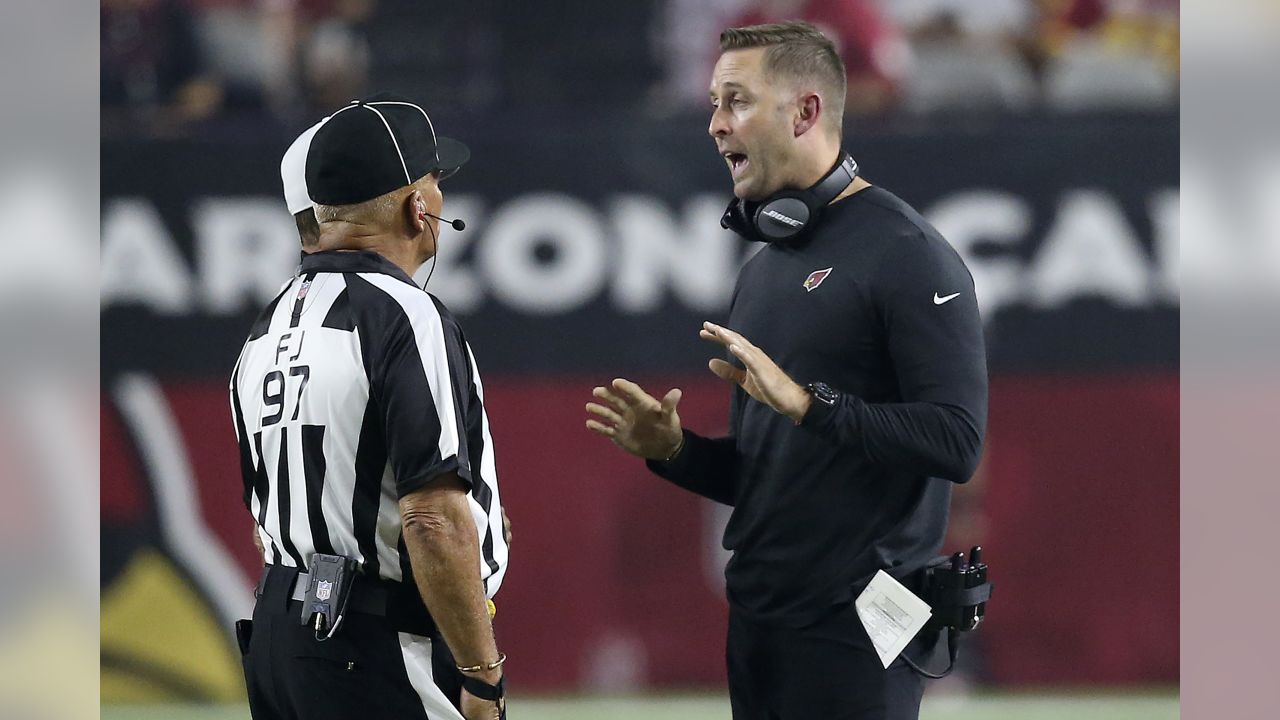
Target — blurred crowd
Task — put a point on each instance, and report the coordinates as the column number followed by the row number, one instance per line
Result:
column 925, row 56
column 171, row 66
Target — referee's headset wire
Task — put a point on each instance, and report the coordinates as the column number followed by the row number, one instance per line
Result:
column 332, row 631
column 435, row 240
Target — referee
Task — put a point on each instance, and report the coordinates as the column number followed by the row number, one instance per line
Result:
column 293, row 179
column 859, row 382
column 359, row 413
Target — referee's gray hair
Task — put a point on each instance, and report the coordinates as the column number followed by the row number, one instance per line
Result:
column 797, row 50
column 373, row 210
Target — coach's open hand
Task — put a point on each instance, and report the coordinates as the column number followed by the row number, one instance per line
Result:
column 636, row 421
column 762, row 378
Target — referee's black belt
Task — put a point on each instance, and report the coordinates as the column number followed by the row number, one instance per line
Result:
column 367, row 596
column 398, row 602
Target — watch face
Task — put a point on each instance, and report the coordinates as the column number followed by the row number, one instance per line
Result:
column 824, row 393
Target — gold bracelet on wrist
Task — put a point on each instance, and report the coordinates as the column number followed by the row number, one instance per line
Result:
column 674, row 453
column 484, row 667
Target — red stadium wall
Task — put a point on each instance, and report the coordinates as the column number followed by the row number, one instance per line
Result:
column 1083, row 512
column 614, row 581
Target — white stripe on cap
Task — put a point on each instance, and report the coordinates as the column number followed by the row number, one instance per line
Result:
column 293, row 170
column 407, row 180
column 425, row 116
column 353, row 104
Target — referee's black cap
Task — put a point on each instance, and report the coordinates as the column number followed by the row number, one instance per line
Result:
column 374, row 146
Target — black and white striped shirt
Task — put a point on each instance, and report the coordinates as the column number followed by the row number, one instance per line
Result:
column 355, row 388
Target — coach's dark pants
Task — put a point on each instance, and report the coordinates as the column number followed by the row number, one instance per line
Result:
column 828, row 670
column 367, row 671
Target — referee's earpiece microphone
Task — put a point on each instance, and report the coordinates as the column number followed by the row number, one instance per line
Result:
column 784, row 216
column 458, row 225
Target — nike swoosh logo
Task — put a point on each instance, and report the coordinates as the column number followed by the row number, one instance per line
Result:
column 939, row 300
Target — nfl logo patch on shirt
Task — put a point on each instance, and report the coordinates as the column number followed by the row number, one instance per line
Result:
column 815, row 279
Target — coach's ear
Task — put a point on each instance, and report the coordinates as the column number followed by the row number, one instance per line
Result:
column 809, row 111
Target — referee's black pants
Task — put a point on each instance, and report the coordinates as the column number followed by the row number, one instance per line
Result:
column 367, row 670
column 828, row 670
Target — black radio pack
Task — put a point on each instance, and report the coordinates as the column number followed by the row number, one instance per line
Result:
column 328, row 589
column 957, row 592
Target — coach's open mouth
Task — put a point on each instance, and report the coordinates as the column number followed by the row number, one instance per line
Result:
column 737, row 163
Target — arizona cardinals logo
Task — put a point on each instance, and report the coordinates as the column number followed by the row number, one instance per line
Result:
column 815, row 279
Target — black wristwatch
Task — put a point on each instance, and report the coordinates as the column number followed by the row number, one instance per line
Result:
column 823, row 393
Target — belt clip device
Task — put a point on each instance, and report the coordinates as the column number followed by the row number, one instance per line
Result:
column 328, row 589
column 957, row 591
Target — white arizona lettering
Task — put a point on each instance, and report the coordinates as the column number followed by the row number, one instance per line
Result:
column 139, row 262
column 571, row 276
column 550, row 253
column 658, row 249
column 968, row 219
column 245, row 246
column 1091, row 252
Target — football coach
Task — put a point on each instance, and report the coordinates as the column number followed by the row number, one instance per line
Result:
column 855, row 353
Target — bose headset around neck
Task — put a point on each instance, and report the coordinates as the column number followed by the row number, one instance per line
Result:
column 785, row 215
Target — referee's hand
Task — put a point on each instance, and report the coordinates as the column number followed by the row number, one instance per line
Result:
column 635, row 420
column 473, row 708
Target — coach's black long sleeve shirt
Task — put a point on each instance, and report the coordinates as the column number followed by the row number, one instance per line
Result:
column 877, row 305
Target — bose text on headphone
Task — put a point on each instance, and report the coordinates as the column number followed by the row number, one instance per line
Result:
column 785, row 215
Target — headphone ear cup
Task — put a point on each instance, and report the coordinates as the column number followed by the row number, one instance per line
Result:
column 783, row 216
column 737, row 218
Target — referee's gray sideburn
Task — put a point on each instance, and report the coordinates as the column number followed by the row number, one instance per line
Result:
column 308, row 228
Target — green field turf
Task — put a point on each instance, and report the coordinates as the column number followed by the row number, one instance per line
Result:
column 1094, row 706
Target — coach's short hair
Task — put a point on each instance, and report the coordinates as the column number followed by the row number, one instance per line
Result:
column 797, row 50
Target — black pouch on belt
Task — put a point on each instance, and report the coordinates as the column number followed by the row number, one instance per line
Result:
column 244, row 634
column 327, row 593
